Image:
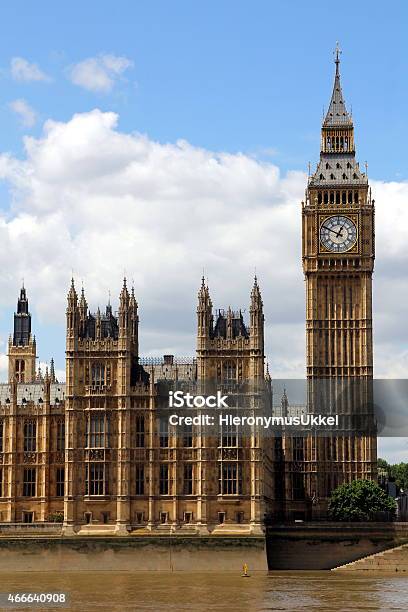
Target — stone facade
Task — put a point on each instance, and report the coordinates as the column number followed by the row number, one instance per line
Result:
column 98, row 451
column 338, row 260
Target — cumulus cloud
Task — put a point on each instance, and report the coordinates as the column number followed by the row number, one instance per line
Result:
column 24, row 111
column 3, row 366
column 90, row 198
column 100, row 73
column 22, row 70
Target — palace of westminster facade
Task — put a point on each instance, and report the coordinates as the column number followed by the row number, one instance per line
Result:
column 93, row 452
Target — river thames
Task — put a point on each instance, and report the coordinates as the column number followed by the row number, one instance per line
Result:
column 206, row 592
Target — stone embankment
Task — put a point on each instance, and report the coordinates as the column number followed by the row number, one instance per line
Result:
column 391, row 560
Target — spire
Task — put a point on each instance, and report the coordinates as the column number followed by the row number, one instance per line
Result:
column 133, row 302
column 337, row 114
column 204, row 294
column 39, row 376
column 52, row 371
column 284, row 403
column 124, row 295
column 22, row 321
column 204, row 312
column 83, row 306
column 72, row 294
column 256, row 299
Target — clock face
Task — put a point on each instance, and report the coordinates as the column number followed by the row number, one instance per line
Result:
column 338, row 234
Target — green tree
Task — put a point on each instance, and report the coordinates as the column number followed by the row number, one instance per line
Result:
column 382, row 463
column 359, row 500
column 398, row 471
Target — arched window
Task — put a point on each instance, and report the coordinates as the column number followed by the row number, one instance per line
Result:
column 30, row 436
column 98, row 375
column 97, row 430
column 230, row 371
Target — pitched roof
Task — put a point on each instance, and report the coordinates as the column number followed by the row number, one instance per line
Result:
column 340, row 170
column 337, row 114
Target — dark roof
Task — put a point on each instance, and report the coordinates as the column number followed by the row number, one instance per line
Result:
column 337, row 170
column 238, row 327
column 109, row 325
column 337, row 114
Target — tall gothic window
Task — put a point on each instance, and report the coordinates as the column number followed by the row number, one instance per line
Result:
column 298, row 486
column 59, row 482
column 98, row 374
column 164, row 479
column 29, row 482
column 1, row 434
column 188, row 436
column 140, row 431
column 97, row 430
column 1, row 482
column 230, row 371
column 96, row 479
column 60, row 435
column 30, row 436
column 140, row 479
column 298, row 448
column 164, row 432
column 230, row 436
column 20, row 370
column 230, row 479
column 188, row 479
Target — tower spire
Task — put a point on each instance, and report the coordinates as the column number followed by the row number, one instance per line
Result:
column 337, row 114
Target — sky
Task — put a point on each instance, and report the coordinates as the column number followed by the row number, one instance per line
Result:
column 158, row 140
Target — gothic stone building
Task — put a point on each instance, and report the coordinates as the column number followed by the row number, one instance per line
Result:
column 97, row 452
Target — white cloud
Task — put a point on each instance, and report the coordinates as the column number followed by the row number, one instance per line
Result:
column 23, row 70
column 90, row 198
column 3, row 366
column 25, row 112
column 99, row 73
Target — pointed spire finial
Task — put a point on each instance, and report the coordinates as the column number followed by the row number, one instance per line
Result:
column 337, row 53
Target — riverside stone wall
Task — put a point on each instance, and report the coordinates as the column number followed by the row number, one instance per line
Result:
column 132, row 554
column 317, row 546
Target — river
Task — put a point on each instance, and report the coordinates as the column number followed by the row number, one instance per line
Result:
column 179, row 592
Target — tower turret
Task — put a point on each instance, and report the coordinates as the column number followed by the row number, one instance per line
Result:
column 204, row 314
column 124, row 310
column 22, row 346
column 134, row 319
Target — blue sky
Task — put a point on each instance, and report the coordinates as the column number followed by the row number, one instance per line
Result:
column 179, row 132
column 229, row 75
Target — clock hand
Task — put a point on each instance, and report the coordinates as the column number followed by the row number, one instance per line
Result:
column 340, row 233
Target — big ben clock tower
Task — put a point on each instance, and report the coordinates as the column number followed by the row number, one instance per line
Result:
column 338, row 262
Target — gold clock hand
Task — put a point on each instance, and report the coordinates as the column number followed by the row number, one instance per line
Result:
column 332, row 231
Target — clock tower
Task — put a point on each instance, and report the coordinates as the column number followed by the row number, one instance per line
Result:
column 338, row 262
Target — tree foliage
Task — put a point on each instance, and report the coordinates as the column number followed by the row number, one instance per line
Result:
column 397, row 471
column 359, row 500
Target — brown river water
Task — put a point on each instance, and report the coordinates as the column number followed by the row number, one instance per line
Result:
column 111, row 591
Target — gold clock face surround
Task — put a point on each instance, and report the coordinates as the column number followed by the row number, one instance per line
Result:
column 338, row 233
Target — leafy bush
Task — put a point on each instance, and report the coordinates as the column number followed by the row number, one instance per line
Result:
column 359, row 500
column 56, row 517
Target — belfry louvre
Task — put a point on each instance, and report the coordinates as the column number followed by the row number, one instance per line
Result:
column 93, row 453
